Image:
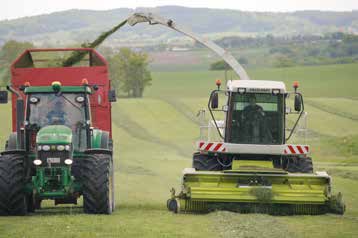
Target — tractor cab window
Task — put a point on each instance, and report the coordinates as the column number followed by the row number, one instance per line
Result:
column 64, row 109
column 256, row 118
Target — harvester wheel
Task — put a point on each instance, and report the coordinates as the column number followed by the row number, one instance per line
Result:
column 13, row 200
column 206, row 163
column 300, row 165
column 97, row 180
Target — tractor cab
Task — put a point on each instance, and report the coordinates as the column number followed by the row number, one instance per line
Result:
column 57, row 107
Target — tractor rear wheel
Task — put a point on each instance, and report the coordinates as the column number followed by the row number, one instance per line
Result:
column 300, row 165
column 97, row 177
column 13, row 200
column 206, row 163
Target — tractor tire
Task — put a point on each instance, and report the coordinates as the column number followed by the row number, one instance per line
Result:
column 97, row 178
column 203, row 162
column 13, row 200
column 300, row 165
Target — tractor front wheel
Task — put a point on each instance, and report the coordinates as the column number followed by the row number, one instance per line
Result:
column 13, row 200
column 97, row 177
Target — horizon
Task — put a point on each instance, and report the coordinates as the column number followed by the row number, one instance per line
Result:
column 14, row 10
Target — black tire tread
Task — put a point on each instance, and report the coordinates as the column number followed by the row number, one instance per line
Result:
column 96, row 175
column 13, row 200
column 202, row 162
column 300, row 165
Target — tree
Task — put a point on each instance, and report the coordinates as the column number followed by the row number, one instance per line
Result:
column 129, row 72
column 9, row 52
column 222, row 65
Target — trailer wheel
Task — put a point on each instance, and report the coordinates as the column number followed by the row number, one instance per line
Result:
column 96, row 172
column 206, row 163
column 300, row 165
column 13, row 200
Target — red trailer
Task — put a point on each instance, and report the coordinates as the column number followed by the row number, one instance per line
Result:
column 30, row 68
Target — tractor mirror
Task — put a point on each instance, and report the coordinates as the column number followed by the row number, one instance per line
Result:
column 112, row 96
column 298, row 103
column 3, row 97
column 215, row 101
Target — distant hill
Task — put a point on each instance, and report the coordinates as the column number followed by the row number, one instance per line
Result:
column 72, row 26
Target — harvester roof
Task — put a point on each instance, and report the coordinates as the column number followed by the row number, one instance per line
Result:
column 256, row 86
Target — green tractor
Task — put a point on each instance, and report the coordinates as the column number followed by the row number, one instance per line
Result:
column 61, row 146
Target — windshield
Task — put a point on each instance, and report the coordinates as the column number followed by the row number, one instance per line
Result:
column 256, row 118
column 64, row 109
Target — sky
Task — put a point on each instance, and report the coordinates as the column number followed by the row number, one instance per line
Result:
column 11, row 9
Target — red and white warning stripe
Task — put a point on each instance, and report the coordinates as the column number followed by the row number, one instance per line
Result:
column 296, row 149
column 211, row 146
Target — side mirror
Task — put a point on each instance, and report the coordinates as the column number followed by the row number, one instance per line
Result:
column 112, row 96
column 3, row 97
column 298, row 103
column 215, row 101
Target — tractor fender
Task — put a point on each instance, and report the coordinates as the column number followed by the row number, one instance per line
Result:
column 98, row 151
column 11, row 143
column 100, row 139
column 12, row 152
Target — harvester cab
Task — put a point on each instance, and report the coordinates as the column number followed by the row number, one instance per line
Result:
column 252, row 167
column 61, row 146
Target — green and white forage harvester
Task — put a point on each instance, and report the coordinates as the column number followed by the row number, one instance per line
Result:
column 252, row 167
column 60, row 147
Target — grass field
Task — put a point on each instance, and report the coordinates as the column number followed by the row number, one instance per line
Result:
column 154, row 138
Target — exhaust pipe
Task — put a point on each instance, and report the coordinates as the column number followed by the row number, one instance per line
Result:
column 20, row 115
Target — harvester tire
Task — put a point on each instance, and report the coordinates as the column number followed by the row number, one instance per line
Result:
column 97, row 177
column 300, row 165
column 206, row 163
column 13, row 200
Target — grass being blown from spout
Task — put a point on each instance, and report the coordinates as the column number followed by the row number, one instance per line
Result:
column 77, row 56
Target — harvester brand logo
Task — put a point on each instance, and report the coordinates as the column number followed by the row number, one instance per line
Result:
column 259, row 90
column 212, row 146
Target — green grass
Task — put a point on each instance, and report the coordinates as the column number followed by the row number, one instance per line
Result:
column 154, row 138
column 315, row 81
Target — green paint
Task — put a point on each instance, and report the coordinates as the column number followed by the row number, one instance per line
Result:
column 54, row 134
column 96, row 138
column 64, row 89
column 55, row 182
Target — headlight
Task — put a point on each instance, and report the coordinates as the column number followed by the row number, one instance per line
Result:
column 39, row 148
column 60, row 147
column 46, row 147
column 241, row 90
column 68, row 161
column 275, row 91
column 37, row 162
column 67, row 147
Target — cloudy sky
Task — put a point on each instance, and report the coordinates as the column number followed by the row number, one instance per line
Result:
column 10, row 9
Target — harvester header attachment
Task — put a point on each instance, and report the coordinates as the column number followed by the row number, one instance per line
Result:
column 257, row 190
